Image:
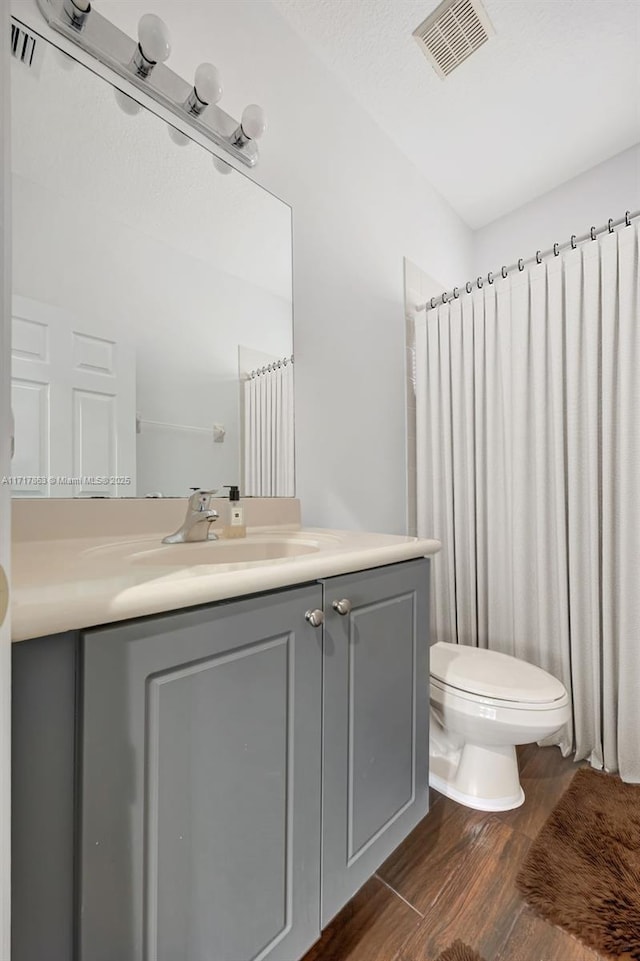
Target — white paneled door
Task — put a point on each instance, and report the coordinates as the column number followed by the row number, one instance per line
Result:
column 73, row 399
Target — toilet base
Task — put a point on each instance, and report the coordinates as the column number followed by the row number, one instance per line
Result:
column 482, row 777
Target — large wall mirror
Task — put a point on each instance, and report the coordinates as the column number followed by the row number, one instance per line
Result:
column 151, row 281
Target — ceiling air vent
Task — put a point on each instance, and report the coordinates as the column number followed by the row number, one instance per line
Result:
column 455, row 30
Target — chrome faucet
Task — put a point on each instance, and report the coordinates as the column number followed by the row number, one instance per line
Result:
column 197, row 523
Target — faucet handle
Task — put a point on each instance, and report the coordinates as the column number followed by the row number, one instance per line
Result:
column 200, row 500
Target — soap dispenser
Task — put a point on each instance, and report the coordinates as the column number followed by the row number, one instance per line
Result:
column 235, row 526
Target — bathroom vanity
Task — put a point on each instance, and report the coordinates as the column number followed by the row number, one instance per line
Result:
column 215, row 782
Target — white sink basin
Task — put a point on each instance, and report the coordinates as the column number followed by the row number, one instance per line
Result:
column 241, row 551
column 257, row 548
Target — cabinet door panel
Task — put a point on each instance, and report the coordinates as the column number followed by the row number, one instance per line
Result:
column 209, row 729
column 192, row 902
column 375, row 715
column 381, row 747
column 43, row 820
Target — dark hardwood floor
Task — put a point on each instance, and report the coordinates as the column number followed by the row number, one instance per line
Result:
column 453, row 877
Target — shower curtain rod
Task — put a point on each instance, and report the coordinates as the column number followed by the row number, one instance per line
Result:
column 609, row 227
column 269, row 367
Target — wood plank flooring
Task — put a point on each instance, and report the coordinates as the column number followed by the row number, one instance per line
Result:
column 453, row 877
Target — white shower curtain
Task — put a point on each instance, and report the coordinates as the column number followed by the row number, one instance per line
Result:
column 268, row 433
column 528, row 459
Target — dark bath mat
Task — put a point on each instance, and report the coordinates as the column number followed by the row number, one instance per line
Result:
column 459, row 952
column 583, row 870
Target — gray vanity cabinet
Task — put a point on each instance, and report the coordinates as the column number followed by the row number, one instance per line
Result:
column 375, row 722
column 201, row 784
column 214, row 784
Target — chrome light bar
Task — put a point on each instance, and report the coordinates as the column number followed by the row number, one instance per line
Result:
column 79, row 22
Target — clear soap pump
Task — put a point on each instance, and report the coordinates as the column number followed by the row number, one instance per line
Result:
column 235, row 526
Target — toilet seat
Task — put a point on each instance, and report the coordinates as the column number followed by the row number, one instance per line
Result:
column 490, row 677
column 495, row 702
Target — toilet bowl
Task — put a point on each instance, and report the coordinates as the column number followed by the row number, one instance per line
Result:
column 483, row 703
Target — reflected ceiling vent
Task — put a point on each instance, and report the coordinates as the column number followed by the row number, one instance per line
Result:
column 455, row 30
column 25, row 47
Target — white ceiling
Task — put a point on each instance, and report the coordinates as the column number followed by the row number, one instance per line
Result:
column 554, row 93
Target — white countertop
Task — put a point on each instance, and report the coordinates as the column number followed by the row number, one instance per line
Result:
column 61, row 585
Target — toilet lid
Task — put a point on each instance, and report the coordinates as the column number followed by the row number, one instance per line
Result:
column 494, row 675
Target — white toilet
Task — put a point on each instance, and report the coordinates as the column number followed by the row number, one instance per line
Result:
column 482, row 704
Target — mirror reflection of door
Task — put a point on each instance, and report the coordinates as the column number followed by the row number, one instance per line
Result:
column 73, row 400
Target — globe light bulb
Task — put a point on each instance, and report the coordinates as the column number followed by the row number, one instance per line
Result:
column 153, row 37
column 206, row 89
column 207, row 83
column 77, row 12
column 254, row 121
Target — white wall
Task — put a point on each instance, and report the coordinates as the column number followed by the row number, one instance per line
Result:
column 249, row 359
column 572, row 208
column 358, row 208
column 5, row 503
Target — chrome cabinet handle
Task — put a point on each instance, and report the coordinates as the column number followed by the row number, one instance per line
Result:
column 342, row 607
column 315, row 618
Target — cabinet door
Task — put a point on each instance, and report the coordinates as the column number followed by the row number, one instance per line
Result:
column 375, row 715
column 201, row 749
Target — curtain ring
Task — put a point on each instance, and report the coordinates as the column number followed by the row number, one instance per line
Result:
column 520, row 264
column 538, row 257
column 433, row 303
column 592, row 233
column 573, row 241
column 468, row 287
column 445, row 297
column 627, row 218
column 504, row 272
column 610, row 224
column 479, row 283
column 556, row 250
column 456, row 292
column 490, row 277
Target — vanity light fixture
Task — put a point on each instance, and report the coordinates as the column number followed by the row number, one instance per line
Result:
column 252, row 125
column 154, row 44
column 143, row 64
column 206, row 89
column 77, row 11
